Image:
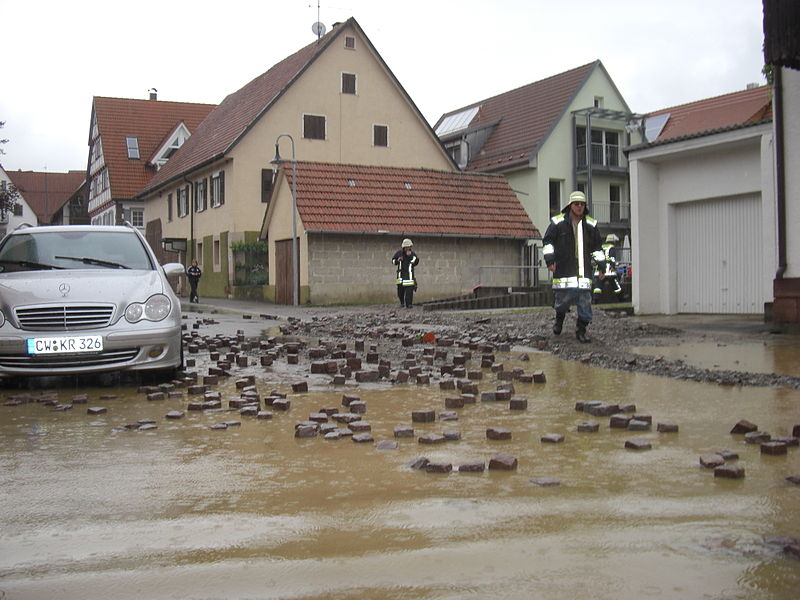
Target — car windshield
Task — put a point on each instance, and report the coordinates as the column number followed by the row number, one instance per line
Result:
column 36, row 251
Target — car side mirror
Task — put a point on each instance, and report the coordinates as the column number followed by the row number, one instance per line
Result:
column 173, row 270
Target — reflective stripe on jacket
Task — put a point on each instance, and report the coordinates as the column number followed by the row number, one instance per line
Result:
column 405, row 267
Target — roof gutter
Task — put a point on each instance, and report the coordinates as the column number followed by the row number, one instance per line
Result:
column 425, row 234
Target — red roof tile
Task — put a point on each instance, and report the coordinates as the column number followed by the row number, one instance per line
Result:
column 46, row 192
column 148, row 120
column 371, row 199
column 715, row 114
column 524, row 116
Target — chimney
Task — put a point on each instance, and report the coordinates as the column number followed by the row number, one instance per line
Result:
column 153, row 93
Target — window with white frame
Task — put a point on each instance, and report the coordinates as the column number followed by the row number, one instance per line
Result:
column 380, row 135
column 217, row 189
column 314, row 127
column 200, row 195
column 183, row 201
column 132, row 143
column 348, row 83
column 137, row 217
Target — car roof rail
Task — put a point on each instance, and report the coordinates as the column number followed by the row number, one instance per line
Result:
column 23, row 226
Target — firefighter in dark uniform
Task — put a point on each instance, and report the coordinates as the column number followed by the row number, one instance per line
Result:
column 406, row 260
column 610, row 279
column 193, row 273
column 571, row 242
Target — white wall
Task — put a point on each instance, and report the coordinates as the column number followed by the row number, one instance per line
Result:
column 791, row 124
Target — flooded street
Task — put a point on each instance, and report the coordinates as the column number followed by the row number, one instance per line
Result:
column 91, row 509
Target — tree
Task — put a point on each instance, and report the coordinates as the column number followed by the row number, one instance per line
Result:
column 9, row 194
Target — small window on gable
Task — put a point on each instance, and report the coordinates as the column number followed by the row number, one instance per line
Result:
column 380, row 135
column 133, row 147
column 349, row 42
column 598, row 102
column 348, row 83
column 313, row 127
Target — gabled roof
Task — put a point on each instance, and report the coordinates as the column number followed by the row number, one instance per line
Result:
column 229, row 122
column 524, row 116
column 371, row 199
column 237, row 113
column 46, row 192
column 150, row 121
column 712, row 115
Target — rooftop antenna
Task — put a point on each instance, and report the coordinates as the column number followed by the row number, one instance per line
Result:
column 319, row 27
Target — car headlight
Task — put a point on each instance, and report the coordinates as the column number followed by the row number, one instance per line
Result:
column 156, row 308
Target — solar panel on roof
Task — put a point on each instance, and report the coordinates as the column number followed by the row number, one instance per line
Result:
column 459, row 120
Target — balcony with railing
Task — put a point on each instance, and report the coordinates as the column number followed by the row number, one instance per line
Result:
column 604, row 157
column 611, row 211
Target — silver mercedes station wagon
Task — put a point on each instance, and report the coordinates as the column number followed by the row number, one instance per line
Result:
column 82, row 298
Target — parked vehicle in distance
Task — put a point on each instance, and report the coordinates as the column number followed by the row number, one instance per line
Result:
column 80, row 299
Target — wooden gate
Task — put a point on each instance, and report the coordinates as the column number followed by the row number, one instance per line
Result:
column 283, row 271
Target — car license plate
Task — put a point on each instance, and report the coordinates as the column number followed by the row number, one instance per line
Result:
column 65, row 345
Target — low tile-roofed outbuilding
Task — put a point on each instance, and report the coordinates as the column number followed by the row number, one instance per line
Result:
column 713, row 115
column 46, row 192
column 523, row 118
column 151, row 122
column 371, row 199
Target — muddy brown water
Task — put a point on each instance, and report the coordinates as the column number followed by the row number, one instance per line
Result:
column 90, row 510
column 781, row 357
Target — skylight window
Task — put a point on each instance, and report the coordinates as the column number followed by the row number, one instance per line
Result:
column 133, row 147
column 653, row 126
column 459, row 120
column 351, row 182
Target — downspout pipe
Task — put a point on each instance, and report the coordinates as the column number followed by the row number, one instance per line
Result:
column 780, row 169
column 190, row 206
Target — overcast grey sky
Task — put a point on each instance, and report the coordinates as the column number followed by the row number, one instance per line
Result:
column 57, row 55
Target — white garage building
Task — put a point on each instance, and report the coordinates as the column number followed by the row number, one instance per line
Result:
column 702, row 207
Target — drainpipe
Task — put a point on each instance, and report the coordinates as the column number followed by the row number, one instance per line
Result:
column 780, row 176
column 190, row 206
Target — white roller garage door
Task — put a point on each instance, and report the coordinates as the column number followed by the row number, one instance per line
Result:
column 719, row 256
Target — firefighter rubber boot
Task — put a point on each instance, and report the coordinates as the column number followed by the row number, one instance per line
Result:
column 559, row 324
column 580, row 332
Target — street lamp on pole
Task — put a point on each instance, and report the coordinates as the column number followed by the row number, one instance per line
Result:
column 276, row 163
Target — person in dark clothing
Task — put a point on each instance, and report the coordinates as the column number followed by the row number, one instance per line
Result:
column 571, row 242
column 193, row 273
column 405, row 259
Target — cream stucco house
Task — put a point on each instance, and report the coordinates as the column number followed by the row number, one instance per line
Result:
column 339, row 103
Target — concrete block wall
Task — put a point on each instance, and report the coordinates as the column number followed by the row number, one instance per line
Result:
column 358, row 269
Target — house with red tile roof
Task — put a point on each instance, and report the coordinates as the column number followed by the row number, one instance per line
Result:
column 333, row 102
column 703, row 227
column 536, row 137
column 46, row 198
column 129, row 141
column 355, row 216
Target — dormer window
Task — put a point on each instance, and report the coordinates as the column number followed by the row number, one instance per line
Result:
column 133, row 147
column 174, row 141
